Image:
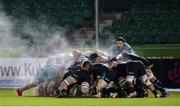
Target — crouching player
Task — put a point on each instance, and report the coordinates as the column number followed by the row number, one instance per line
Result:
column 40, row 77
column 157, row 84
column 132, row 70
column 53, row 71
column 81, row 77
column 101, row 77
column 43, row 77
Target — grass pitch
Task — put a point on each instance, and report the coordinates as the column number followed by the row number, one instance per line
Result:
column 165, row 50
column 154, row 50
column 8, row 98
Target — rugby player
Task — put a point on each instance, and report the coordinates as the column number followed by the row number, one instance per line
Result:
column 119, row 47
column 54, row 70
column 131, row 70
column 100, row 76
column 157, row 84
column 81, row 76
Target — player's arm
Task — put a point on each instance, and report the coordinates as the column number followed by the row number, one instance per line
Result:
column 142, row 59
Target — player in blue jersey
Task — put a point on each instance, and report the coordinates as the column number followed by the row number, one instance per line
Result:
column 120, row 46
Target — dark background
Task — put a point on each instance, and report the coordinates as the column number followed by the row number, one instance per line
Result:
column 167, row 71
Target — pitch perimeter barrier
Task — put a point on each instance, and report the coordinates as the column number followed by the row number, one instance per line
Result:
column 16, row 72
column 167, row 70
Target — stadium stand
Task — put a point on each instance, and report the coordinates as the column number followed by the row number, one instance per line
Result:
column 149, row 21
column 139, row 21
column 61, row 12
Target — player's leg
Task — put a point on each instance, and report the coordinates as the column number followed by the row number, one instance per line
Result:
column 39, row 78
column 51, row 88
column 51, row 73
column 150, row 86
column 140, row 88
column 110, row 90
column 130, row 86
column 64, row 85
column 19, row 91
column 122, row 86
column 45, row 86
column 100, row 85
column 157, row 84
column 140, row 72
column 75, row 91
column 131, row 72
column 39, row 90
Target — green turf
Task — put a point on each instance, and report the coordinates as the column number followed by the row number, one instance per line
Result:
column 166, row 50
column 160, row 50
column 9, row 98
column 150, row 50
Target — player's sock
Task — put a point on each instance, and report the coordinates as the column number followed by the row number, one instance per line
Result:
column 112, row 89
column 158, row 86
column 62, row 93
column 99, row 94
column 19, row 93
column 26, row 87
column 113, row 95
column 157, row 82
column 156, row 93
column 105, row 92
column 132, row 92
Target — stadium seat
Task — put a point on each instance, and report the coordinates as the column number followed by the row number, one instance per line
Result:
column 149, row 18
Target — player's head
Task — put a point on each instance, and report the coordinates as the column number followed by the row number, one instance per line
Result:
column 93, row 57
column 86, row 64
column 120, row 42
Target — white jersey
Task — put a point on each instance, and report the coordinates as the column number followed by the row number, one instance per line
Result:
column 122, row 59
column 59, row 65
column 61, row 60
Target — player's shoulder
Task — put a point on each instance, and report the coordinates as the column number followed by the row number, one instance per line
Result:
column 127, row 45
